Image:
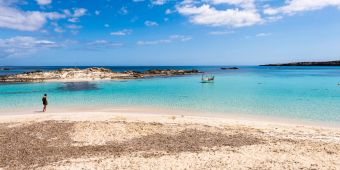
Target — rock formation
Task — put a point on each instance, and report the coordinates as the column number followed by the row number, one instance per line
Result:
column 325, row 63
column 4, row 68
column 229, row 68
column 94, row 73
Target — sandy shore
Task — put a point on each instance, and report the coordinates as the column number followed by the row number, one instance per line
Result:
column 119, row 140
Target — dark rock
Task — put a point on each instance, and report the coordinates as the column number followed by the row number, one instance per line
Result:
column 94, row 69
column 32, row 72
column 325, row 63
column 5, row 68
column 229, row 68
column 170, row 72
column 153, row 71
column 132, row 72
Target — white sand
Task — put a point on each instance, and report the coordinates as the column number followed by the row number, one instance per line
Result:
column 267, row 144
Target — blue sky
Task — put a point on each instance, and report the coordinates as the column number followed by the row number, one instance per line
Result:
column 168, row 32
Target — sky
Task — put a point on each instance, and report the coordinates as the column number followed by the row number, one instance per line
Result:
column 167, row 32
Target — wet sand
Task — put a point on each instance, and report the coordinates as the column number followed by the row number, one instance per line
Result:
column 108, row 140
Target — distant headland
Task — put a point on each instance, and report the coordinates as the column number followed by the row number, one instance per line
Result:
column 322, row 63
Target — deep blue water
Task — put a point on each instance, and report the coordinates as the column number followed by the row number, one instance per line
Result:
column 308, row 93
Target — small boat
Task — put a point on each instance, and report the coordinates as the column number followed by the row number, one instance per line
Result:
column 207, row 79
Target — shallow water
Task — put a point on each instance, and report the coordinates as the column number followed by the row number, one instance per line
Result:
column 308, row 93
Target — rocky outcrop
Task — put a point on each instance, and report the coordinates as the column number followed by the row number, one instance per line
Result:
column 171, row 72
column 94, row 73
column 4, row 69
column 229, row 68
column 325, row 63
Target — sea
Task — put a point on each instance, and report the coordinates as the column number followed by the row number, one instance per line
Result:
column 301, row 93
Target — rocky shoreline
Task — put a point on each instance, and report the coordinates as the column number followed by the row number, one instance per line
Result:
column 89, row 74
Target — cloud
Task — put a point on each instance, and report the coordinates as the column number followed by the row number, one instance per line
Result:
column 96, row 12
column 102, row 45
column 158, row 2
column 74, row 20
column 121, row 32
column 78, row 12
column 169, row 11
column 263, row 34
column 243, row 14
column 123, row 10
column 59, row 30
column 25, row 21
column 170, row 39
column 44, row 2
column 150, row 23
column 104, row 42
column 19, row 20
column 23, row 45
column 247, row 4
column 16, row 19
column 223, row 32
column 73, row 26
column 295, row 6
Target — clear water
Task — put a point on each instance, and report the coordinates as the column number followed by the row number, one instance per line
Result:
column 308, row 93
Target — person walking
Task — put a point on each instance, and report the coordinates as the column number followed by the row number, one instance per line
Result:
column 45, row 103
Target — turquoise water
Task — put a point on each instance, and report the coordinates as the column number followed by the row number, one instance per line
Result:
column 308, row 93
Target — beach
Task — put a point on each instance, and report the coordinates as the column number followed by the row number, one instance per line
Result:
column 131, row 140
column 252, row 118
column 169, row 85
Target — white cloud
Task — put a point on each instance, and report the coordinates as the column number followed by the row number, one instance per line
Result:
column 223, row 32
column 247, row 4
column 123, row 10
column 73, row 26
column 44, row 2
column 243, row 14
column 59, row 30
column 121, row 32
column 169, row 11
column 104, row 42
column 96, row 12
column 150, row 23
column 158, row 2
column 78, row 12
column 74, row 20
column 25, row 21
column 106, row 25
column 263, row 34
column 13, row 18
column 23, row 45
column 295, row 6
column 102, row 45
column 170, row 39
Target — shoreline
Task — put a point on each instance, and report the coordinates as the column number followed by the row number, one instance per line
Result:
column 155, row 111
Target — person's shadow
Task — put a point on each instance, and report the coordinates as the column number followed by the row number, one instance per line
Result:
column 38, row 111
